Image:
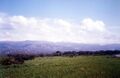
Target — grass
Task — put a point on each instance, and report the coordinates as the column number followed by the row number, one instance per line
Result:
column 64, row 67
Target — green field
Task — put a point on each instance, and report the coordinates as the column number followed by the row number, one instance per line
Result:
column 64, row 67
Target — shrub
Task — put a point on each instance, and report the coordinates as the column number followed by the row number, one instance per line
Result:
column 10, row 60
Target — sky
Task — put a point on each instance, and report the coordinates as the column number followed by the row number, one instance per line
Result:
column 80, row 21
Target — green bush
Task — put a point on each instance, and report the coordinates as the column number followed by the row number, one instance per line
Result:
column 10, row 60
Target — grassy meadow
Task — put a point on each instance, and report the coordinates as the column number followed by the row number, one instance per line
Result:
column 64, row 67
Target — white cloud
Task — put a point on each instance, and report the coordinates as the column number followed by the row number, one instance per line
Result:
column 1, row 20
column 31, row 28
column 91, row 25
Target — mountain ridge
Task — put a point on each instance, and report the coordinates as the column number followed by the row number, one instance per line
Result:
column 50, row 47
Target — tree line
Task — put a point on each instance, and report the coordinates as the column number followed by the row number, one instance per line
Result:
column 20, row 58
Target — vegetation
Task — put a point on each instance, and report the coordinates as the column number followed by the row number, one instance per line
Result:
column 15, row 59
column 78, row 53
column 64, row 67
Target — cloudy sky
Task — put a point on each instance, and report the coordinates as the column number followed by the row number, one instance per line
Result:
column 81, row 21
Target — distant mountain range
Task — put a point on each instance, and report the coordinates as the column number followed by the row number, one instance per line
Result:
column 50, row 47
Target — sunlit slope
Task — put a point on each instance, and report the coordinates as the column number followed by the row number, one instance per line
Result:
column 65, row 67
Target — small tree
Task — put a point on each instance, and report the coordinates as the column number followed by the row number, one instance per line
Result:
column 58, row 53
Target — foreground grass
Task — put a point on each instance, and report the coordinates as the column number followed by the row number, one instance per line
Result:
column 65, row 67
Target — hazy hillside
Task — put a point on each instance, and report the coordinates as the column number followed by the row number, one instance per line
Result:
column 49, row 47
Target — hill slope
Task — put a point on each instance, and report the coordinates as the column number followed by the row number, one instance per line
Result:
column 49, row 47
column 65, row 67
